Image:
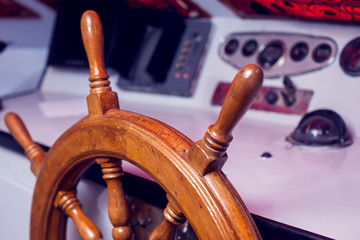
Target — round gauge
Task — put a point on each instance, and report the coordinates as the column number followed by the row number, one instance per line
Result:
column 321, row 53
column 299, row 51
column 249, row 48
column 350, row 58
column 231, row 46
column 271, row 54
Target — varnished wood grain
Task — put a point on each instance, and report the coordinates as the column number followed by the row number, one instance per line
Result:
column 118, row 208
column 68, row 202
column 241, row 94
column 173, row 216
column 92, row 34
column 189, row 172
column 101, row 97
column 209, row 154
column 32, row 150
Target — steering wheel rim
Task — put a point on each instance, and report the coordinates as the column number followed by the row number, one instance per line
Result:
column 207, row 214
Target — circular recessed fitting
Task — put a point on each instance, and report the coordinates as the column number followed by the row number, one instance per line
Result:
column 350, row 58
column 271, row 97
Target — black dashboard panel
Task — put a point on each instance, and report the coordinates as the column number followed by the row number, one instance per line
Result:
column 153, row 50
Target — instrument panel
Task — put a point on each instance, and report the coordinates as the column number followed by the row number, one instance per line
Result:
column 279, row 54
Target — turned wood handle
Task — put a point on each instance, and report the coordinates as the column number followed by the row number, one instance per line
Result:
column 92, row 35
column 71, row 206
column 32, row 150
column 241, row 94
column 18, row 130
column 172, row 217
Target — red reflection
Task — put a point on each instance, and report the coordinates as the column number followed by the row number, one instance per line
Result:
column 334, row 10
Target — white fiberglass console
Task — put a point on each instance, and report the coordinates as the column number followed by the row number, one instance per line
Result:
column 312, row 188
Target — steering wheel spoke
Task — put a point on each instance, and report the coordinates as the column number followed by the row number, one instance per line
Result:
column 68, row 202
column 118, row 208
column 172, row 217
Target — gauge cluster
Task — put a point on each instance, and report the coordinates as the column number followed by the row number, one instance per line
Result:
column 279, row 54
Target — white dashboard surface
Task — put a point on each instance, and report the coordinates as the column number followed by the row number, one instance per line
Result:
column 27, row 42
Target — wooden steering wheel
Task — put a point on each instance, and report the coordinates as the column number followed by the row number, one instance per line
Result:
column 190, row 173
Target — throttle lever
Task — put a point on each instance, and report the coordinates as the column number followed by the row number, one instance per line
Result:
column 289, row 95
